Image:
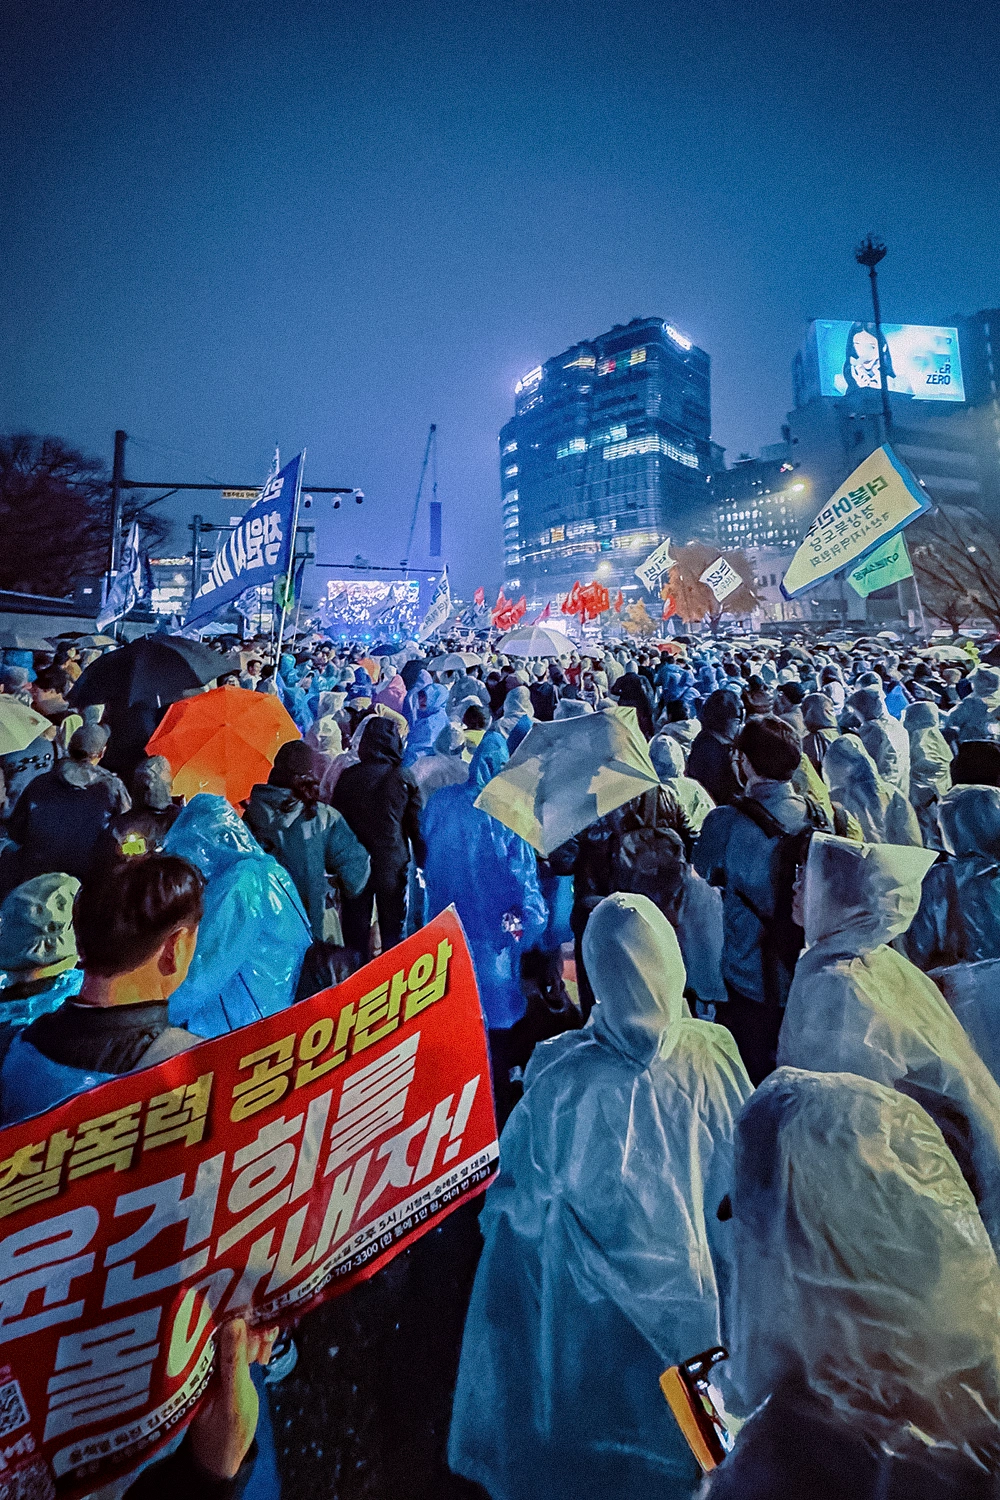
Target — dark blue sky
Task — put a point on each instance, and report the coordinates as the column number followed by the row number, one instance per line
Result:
column 331, row 224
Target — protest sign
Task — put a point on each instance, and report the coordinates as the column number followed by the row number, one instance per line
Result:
column 879, row 499
column 439, row 610
column 253, row 1175
column 722, row 578
column 656, row 564
column 889, row 563
column 256, row 551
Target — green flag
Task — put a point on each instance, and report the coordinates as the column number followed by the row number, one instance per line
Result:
column 889, row 563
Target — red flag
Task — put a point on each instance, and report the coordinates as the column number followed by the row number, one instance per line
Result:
column 571, row 603
column 499, row 609
column 545, row 614
column 619, row 601
column 479, row 598
column 669, row 608
column 518, row 610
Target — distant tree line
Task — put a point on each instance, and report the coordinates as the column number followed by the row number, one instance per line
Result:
column 55, row 515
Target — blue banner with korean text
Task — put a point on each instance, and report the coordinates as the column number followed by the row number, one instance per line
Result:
column 257, row 550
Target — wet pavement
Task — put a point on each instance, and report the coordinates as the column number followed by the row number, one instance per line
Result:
column 364, row 1414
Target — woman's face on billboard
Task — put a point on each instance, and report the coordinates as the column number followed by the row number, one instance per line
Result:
column 864, row 358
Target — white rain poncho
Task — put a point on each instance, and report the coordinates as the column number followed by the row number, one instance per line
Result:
column 858, row 1006
column 868, row 1302
column 975, row 717
column 884, row 814
column 885, row 739
column 930, row 767
column 604, row 1258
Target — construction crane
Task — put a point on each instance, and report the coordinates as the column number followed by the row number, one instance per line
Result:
column 431, row 448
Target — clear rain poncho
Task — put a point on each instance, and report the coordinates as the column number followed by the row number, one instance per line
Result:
column 884, row 814
column 254, row 932
column 858, row 1006
column 604, row 1259
column 867, row 1302
column 930, row 767
column 956, row 932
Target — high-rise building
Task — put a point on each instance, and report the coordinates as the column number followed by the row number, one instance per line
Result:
column 607, row 454
column 762, row 502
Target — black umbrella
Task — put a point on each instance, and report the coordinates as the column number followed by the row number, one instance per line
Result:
column 155, row 669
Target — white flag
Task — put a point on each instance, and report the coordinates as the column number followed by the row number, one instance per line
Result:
column 440, row 608
column 656, row 564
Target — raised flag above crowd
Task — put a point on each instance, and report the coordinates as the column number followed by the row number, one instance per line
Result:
column 257, row 551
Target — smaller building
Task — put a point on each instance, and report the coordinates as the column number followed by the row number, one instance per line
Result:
column 762, row 502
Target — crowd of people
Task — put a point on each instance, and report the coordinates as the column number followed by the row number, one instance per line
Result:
column 739, row 1026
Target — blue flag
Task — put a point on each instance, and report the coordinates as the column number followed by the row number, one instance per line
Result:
column 131, row 582
column 258, row 549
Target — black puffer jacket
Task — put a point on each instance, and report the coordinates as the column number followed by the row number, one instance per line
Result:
column 641, row 847
column 381, row 802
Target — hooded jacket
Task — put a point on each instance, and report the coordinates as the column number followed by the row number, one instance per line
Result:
column 312, row 850
column 668, row 761
column 885, row 739
column 59, row 820
column 604, row 1258
column 867, row 1304
column 858, row 1006
column 381, row 802
column 959, row 917
column 884, row 814
column 491, row 875
column 254, row 931
column 974, row 716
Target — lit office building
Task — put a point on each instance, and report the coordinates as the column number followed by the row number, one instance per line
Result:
column 608, row 453
column 762, row 502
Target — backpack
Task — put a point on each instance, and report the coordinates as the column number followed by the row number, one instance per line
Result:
column 782, row 938
column 648, row 856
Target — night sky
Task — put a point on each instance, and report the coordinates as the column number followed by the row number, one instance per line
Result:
column 230, row 224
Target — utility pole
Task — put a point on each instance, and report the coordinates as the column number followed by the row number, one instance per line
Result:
column 117, row 478
column 870, row 253
column 196, row 530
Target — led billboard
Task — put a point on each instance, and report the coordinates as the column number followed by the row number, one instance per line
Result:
column 923, row 362
column 369, row 610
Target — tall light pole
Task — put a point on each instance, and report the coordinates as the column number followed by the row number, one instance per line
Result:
column 870, row 253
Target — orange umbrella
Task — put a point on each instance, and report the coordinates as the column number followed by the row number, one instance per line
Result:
column 223, row 741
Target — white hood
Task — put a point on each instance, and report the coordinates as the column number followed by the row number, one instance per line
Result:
column 859, row 896
column 637, row 974
column 862, row 1264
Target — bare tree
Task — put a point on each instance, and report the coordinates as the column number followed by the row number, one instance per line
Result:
column 956, row 559
column 55, row 515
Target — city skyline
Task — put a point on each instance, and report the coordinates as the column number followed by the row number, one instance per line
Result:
column 331, row 227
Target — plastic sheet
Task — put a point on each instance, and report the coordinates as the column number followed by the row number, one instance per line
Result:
column 254, row 932
column 865, row 1282
column 491, row 875
column 604, row 1259
column 858, row 1006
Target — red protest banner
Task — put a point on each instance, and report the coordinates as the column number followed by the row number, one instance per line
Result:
column 254, row 1175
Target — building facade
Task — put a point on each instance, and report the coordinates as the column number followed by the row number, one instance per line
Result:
column 762, row 503
column 608, row 454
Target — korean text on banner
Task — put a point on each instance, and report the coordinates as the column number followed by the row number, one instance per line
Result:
column 252, row 1175
column 722, row 578
column 256, row 551
column 656, row 564
column 879, row 499
column 889, row 563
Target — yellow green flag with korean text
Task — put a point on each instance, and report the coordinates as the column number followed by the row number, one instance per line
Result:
column 878, row 500
column 889, row 563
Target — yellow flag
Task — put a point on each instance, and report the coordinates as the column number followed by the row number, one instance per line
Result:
column 879, row 499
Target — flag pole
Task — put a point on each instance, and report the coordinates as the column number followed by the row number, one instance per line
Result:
column 291, row 562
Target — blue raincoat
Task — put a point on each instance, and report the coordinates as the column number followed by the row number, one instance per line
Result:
column 254, row 932
column 427, row 722
column 491, row 875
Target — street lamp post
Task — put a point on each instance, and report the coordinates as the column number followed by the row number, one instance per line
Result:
column 869, row 254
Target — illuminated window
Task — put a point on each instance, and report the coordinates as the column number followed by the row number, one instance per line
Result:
column 582, row 362
column 510, row 448
column 510, row 498
column 510, row 471
column 575, row 445
column 678, row 338
column 528, row 381
column 558, row 533
column 511, row 524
